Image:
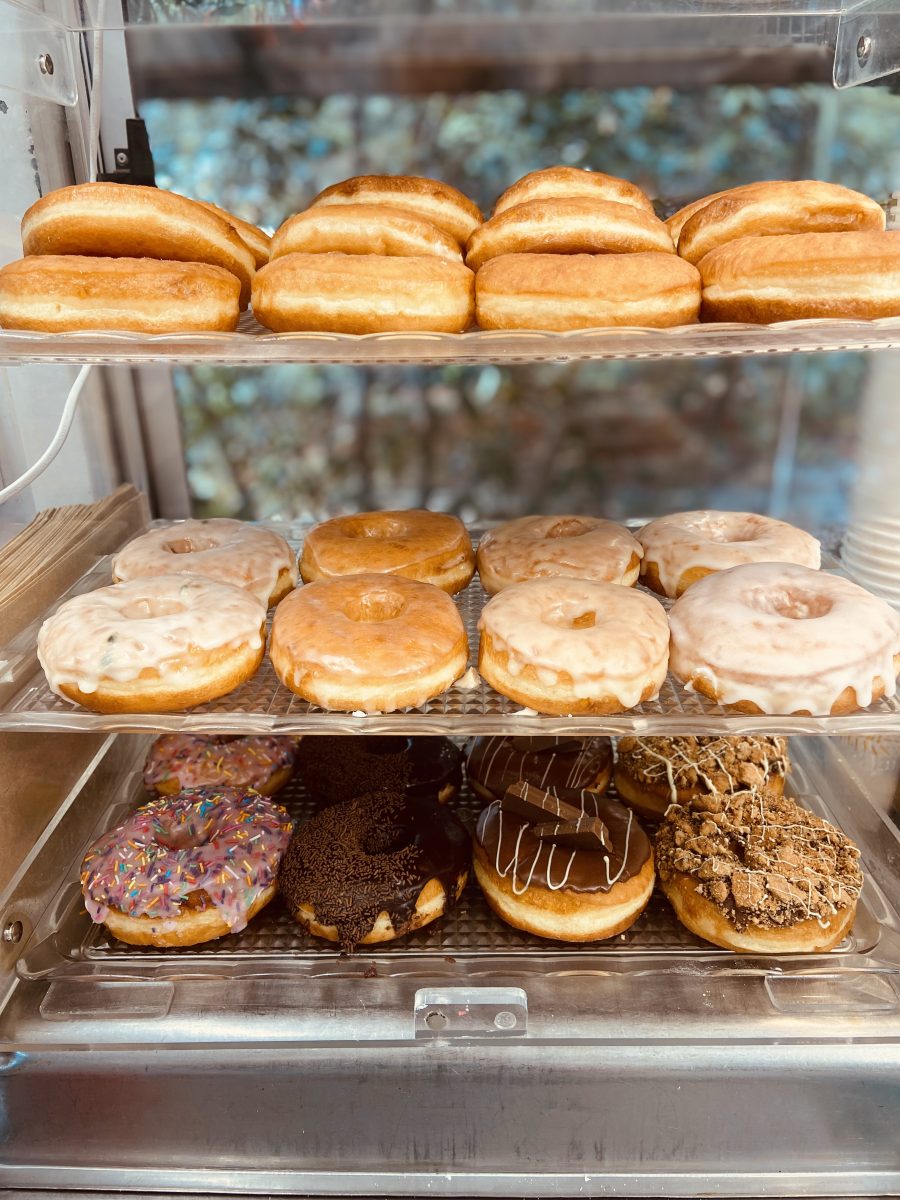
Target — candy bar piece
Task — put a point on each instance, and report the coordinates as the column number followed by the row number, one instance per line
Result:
column 533, row 804
column 587, row 833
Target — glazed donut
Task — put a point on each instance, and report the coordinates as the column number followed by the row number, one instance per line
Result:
column 567, row 183
column 653, row 772
column 684, row 547
column 496, row 763
column 335, row 769
column 547, row 547
column 568, row 227
column 780, row 638
column 563, row 877
column 374, row 868
column 586, row 291
column 61, row 293
column 368, row 642
column 188, row 869
column 117, row 220
column 429, row 199
column 364, row 293
column 780, row 207
column 759, row 874
column 854, row 276
column 257, row 241
column 569, row 646
column 184, row 762
column 257, row 560
column 363, row 229
column 152, row 645
column 431, row 547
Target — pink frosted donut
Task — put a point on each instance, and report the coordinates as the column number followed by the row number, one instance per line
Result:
column 549, row 547
column 182, row 762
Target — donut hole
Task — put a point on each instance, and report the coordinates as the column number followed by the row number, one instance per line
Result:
column 373, row 607
column 726, row 532
column 147, row 608
column 189, row 545
column 382, row 530
column 570, row 616
column 181, row 836
column 385, row 839
column 568, row 527
column 795, row 605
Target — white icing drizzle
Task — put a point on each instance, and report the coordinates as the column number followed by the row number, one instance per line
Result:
column 542, row 547
column 680, row 760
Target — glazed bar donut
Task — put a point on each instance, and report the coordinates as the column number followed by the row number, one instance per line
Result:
column 780, row 207
column 364, row 293
column 59, row 293
column 152, row 645
column 565, row 646
column 431, row 547
column 368, row 642
column 568, row 183
column 803, row 275
column 682, row 548
column 586, row 291
column 257, row 241
column 439, row 203
column 375, row 868
column 547, row 547
column 184, row 870
column 235, row 552
column 185, row 762
column 758, row 874
column 496, row 763
column 780, row 638
column 363, row 229
column 117, row 220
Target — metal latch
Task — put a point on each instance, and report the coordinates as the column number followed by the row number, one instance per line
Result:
column 471, row 1012
column 134, row 164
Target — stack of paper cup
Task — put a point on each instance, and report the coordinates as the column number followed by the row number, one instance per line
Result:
column 871, row 555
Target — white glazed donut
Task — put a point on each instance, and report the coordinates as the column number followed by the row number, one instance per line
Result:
column 781, row 638
column 682, row 548
column 541, row 547
column 571, row 646
column 257, row 560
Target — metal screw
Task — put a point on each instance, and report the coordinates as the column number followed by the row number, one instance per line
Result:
column 863, row 49
column 121, row 158
column 45, row 62
column 13, row 932
column 436, row 1020
column 505, row 1020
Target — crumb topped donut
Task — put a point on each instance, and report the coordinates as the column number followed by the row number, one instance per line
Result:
column 183, row 762
column 496, row 763
column 545, row 547
column 338, row 768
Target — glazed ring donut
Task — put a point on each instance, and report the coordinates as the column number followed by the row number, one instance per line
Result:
column 257, row 241
column 431, row 547
column 568, row 183
column 780, row 638
column 542, row 547
column 680, row 549
column 368, row 642
column 185, row 762
column 363, row 229
column 152, row 645
column 258, row 560
column 568, row 227
column 439, row 203
column 117, row 220
column 184, row 870
column 60, row 293
column 564, row 646
column 375, row 868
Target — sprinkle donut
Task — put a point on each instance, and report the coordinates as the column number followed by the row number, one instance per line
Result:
column 184, row 762
column 549, row 547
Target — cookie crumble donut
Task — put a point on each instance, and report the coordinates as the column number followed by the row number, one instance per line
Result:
column 564, row 646
column 496, row 763
column 430, row 199
column 185, row 762
column 566, row 183
column 257, row 560
column 368, row 642
column 783, row 639
column 152, row 645
column 542, row 547
column 684, row 547
column 185, row 870
column 431, row 547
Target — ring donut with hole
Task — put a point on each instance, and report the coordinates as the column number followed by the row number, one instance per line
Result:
column 541, row 547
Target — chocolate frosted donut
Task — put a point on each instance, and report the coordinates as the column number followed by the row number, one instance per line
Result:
column 374, row 868
column 494, row 763
column 335, row 769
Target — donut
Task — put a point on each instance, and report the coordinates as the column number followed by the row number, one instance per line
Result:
column 653, row 772
column 184, row 762
column 779, row 207
column 586, row 291
column 684, row 547
column 429, row 199
column 375, row 868
column 118, row 220
column 578, row 226
column 547, row 547
column 564, row 646
column 494, row 764
column 152, row 645
column 756, row 873
column 431, row 547
column 257, row 241
column 363, row 229
column 186, row 869
column 803, row 275
column 563, row 864
column 60, row 293
column 364, row 293
column 370, row 643
column 780, row 638
column 335, row 769
column 567, row 183
column 258, row 560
